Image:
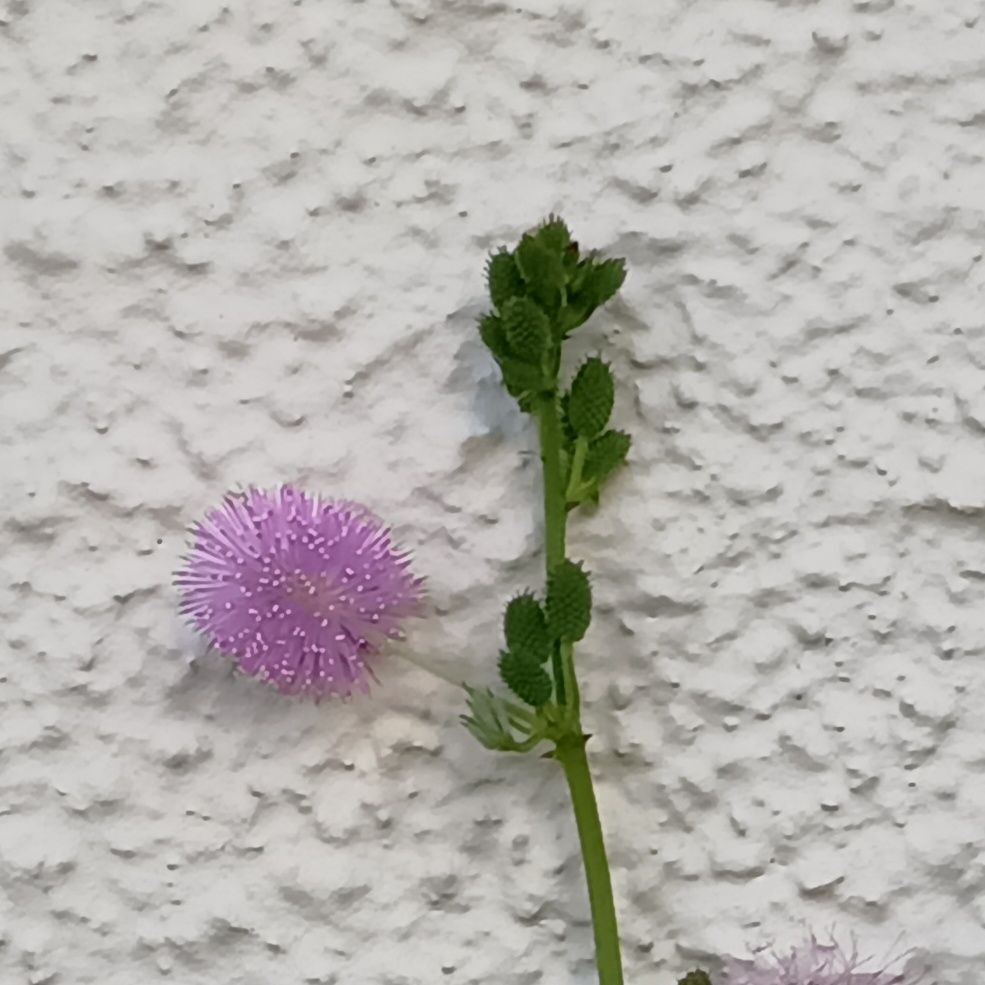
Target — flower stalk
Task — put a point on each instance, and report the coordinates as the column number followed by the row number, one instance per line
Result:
column 570, row 752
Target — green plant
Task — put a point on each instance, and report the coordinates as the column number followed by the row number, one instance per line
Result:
column 541, row 292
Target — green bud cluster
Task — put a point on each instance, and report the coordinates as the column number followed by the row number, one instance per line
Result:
column 533, row 631
column 529, row 646
column 541, row 291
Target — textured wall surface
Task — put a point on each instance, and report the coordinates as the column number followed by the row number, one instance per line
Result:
column 243, row 243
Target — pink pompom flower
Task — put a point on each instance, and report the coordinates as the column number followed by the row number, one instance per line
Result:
column 813, row 963
column 301, row 591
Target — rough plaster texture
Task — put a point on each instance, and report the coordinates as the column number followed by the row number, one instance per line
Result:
column 243, row 243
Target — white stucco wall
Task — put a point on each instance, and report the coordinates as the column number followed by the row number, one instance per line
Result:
column 243, row 243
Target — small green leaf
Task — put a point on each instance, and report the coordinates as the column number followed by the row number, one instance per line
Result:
column 569, row 601
column 503, row 278
column 605, row 454
column 542, row 269
column 526, row 679
column 491, row 720
column 528, row 331
column 525, row 629
column 493, row 333
column 590, row 403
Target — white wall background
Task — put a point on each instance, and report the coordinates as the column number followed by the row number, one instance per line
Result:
column 243, row 243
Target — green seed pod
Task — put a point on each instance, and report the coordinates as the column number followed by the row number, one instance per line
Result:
column 493, row 333
column 542, row 268
column 554, row 234
column 591, row 398
column 503, row 278
column 601, row 280
column 605, row 454
column 696, row 977
column 590, row 284
column 525, row 629
column 521, row 379
column 569, row 602
column 527, row 329
column 526, row 679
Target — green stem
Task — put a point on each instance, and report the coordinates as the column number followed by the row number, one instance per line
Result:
column 567, row 658
column 555, row 515
column 570, row 750
column 571, row 755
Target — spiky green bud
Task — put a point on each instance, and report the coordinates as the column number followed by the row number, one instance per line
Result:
column 602, row 280
column 525, row 629
column 542, row 267
column 591, row 398
column 569, row 602
column 521, row 380
column 696, row 977
column 528, row 331
column 553, row 234
column 592, row 282
column 493, row 333
column 605, row 454
column 503, row 278
column 526, row 679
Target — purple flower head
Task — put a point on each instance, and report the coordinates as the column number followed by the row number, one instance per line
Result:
column 812, row 963
column 302, row 592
